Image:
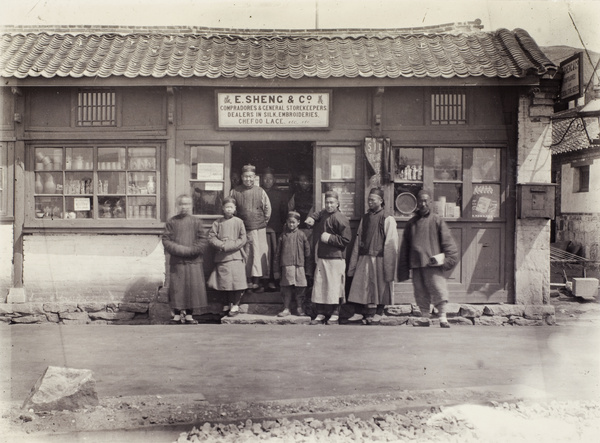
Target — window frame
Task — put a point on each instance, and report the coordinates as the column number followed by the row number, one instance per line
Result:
column 95, row 224
column 581, row 179
column 75, row 110
column 448, row 91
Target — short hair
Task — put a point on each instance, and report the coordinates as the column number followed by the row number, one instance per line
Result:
column 181, row 197
column 229, row 200
column 332, row 194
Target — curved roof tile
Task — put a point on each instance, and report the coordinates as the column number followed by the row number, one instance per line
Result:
column 501, row 53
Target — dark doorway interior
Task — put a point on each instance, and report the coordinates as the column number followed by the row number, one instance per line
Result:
column 287, row 159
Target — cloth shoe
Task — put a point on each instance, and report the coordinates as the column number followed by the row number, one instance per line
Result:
column 334, row 319
column 284, row 313
column 176, row 319
column 300, row 312
column 318, row 320
column 375, row 320
column 235, row 310
column 444, row 324
column 356, row 317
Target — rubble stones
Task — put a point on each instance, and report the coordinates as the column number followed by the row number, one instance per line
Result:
column 398, row 310
column 106, row 315
column 134, row 307
column 81, row 316
column 471, row 311
column 92, row 306
column 59, row 307
column 490, row 321
column 504, row 310
column 62, row 389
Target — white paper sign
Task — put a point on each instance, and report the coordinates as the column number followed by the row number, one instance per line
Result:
column 81, row 204
column 273, row 109
column 210, row 171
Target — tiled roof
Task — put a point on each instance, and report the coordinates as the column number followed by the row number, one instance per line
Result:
column 569, row 133
column 295, row 55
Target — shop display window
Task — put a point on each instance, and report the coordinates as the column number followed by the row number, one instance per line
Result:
column 207, row 179
column 96, row 182
column 465, row 182
column 339, row 174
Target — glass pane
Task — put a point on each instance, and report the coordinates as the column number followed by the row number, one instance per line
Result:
column 48, row 159
column 142, row 159
column 111, row 158
column 77, row 183
column 485, row 202
column 111, row 207
column 347, row 194
column 447, row 199
column 208, row 162
column 486, row 164
column 111, row 183
column 49, row 207
column 79, row 207
column 405, row 198
column 142, row 183
column 408, row 164
column 447, row 164
column 141, row 207
column 80, row 158
column 48, row 183
column 339, row 163
column 207, row 197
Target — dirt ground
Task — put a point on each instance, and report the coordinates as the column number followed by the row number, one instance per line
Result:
column 161, row 410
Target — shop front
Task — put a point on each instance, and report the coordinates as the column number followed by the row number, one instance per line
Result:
column 104, row 158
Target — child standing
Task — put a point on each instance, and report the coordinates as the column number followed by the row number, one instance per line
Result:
column 185, row 241
column 290, row 263
column 228, row 236
column 331, row 236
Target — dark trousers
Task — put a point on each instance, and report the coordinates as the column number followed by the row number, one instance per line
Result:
column 288, row 291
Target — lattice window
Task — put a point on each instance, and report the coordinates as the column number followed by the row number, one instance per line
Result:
column 448, row 107
column 96, row 107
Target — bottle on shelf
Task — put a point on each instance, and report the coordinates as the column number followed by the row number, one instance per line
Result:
column 151, row 186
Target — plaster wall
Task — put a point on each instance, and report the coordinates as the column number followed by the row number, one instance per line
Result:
column 71, row 268
column 6, row 254
column 532, row 236
column 578, row 202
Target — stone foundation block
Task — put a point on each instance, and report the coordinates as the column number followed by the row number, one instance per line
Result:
column 461, row 321
column 159, row 313
column 105, row 315
column 6, row 308
column 453, row 309
column 416, row 311
column 490, row 321
column 419, row 321
column 471, row 311
column 60, row 307
column 83, row 316
column 63, row 389
column 28, row 319
column 5, row 319
column 28, row 308
column 504, row 310
column 586, row 288
column 92, row 306
column 538, row 312
column 134, row 307
column 52, row 317
column 163, row 295
column 520, row 321
column 261, row 309
column 398, row 310
column 394, row 320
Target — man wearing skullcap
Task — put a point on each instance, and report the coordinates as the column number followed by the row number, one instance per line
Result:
column 291, row 263
column 373, row 261
column 331, row 235
column 254, row 209
column 428, row 249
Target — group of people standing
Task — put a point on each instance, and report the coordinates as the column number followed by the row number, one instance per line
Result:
column 263, row 237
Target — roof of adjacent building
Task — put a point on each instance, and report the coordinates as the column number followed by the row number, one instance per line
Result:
column 436, row 52
column 571, row 132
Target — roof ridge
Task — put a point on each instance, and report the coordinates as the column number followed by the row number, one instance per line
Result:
column 453, row 28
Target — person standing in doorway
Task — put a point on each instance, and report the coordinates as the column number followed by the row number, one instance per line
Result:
column 373, row 262
column 185, row 241
column 254, row 208
column 291, row 262
column 302, row 200
column 278, row 201
column 428, row 249
column 331, row 236
column 227, row 236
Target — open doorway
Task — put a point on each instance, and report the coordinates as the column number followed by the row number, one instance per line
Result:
column 288, row 160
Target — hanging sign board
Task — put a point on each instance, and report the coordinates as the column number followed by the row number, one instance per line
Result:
column 572, row 81
column 273, row 109
column 81, row 204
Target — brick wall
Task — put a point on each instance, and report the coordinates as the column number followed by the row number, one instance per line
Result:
column 71, row 268
column 6, row 255
column 532, row 236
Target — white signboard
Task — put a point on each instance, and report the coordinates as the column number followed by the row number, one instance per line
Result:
column 81, row 204
column 210, row 171
column 273, row 110
column 571, row 87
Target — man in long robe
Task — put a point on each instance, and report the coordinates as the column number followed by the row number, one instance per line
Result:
column 373, row 262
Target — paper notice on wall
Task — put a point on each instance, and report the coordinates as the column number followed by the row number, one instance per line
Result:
column 213, row 186
column 81, row 204
column 336, row 172
column 210, row 171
